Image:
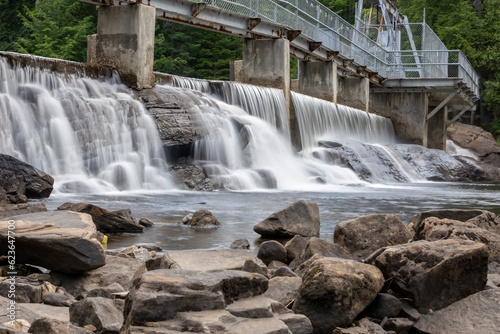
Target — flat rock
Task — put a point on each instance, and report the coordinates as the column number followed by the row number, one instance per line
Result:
column 434, row 274
column 9, row 210
column 48, row 325
column 60, row 241
column 455, row 214
column 300, row 218
column 364, row 235
column 478, row 313
column 254, row 307
column 26, row 292
column 105, row 221
column 258, row 326
column 219, row 259
column 283, row 289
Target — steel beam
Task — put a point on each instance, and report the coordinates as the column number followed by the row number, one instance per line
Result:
column 441, row 105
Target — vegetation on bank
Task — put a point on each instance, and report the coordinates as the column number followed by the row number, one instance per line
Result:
column 59, row 29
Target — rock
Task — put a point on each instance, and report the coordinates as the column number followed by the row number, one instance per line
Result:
column 364, row 235
column 274, row 265
column 218, row 259
column 300, row 218
column 141, row 254
column 455, row 214
column 38, row 183
column 254, row 307
column 473, row 138
column 122, row 270
column 384, row 306
column 478, row 313
column 13, row 185
column 20, row 325
column 126, row 213
column 31, row 312
column 296, row 323
column 46, row 325
column 283, row 289
column 486, row 220
column 105, row 221
column 433, row 229
column 160, row 294
column 252, row 267
column 295, row 246
column 409, row 311
column 146, row 222
column 191, row 177
column 259, row 326
column 317, row 246
column 271, row 251
column 284, row 271
column 364, row 326
column 433, row 274
column 399, row 325
column 106, row 292
column 56, row 299
column 202, row 218
column 60, row 241
column 9, row 330
column 99, row 312
column 334, row 292
column 26, row 292
column 10, row 210
column 240, row 244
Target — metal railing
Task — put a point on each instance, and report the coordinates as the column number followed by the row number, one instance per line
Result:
column 431, row 59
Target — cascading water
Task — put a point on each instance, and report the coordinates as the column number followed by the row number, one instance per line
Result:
column 90, row 135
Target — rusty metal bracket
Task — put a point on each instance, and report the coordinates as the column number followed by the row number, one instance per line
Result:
column 197, row 8
column 332, row 54
column 253, row 22
column 314, row 45
column 360, row 69
column 293, row 34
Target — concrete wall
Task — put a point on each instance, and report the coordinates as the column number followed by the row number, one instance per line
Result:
column 407, row 112
column 318, row 79
column 354, row 92
column 125, row 42
column 436, row 129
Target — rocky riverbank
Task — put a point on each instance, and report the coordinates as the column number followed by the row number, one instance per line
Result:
column 438, row 274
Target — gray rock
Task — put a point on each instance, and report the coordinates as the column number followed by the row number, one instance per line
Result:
column 240, row 244
column 276, row 265
column 399, row 325
column 295, row 246
column 109, row 291
column 334, row 292
column 283, row 289
column 258, row 326
column 99, row 312
column 141, row 254
column 364, row 326
column 61, row 241
column 300, row 218
column 187, row 218
column 284, row 271
column 56, row 299
column 270, row 251
column 202, row 218
column 384, row 306
column 126, row 213
column 409, row 311
column 10, row 210
column 26, row 292
column 316, row 246
column 433, row 274
column 454, row 214
column 252, row 267
column 146, row 222
column 254, row 307
column 487, row 220
column 105, row 221
column 364, row 235
column 297, row 323
column 47, row 325
column 478, row 313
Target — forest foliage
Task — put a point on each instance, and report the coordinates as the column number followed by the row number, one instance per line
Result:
column 59, row 29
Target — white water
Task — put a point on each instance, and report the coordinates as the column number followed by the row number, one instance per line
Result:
column 90, row 135
column 455, row 150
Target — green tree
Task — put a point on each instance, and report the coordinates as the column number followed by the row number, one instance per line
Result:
column 11, row 28
column 58, row 29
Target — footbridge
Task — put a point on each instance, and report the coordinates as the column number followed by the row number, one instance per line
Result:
column 382, row 64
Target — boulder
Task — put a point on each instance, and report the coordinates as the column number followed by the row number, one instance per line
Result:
column 60, row 241
column 105, row 221
column 9, row 210
column 473, row 138
column 201, row 218
column 364, row 326
column 146, row 222
column 487, row 220
column 283, row 289
column 295, row 246
column 38, row 183
column 26, row 292
column 254, row 307
column 217, row 259
column 334, row 292
column 455, row 214
column 284, row 271
column 362, row 236
column 384, row 306
column 57, row 299
column 296, row 323
column 253, row 267
column 300, row 218
column 433, row 229
column 398, row 325
column 47, row 325
column 270, row 251
column 478, row 313
column 107, row 291
column 160, row 294
column 240, row 244
column 316, row 246
column 433, row 274
column 13, row 185
column 99, row 312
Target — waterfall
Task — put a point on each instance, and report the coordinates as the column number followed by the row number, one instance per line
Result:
column 90, row 135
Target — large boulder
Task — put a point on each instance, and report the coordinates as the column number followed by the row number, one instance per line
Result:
column 462, row 215
column 334, row 292
column 271, row 251
column 478, row 313
column 300, row 218
column 473, row 138
column 9, row 210
column 362, row 236
column 105, row 221
column 61, row 241
column 434, row 274
column 283, row 289
column 202, row 218
column 99, row 312
column 433, row 229
column 47, row 325
column 38, row 183
column 316, row 246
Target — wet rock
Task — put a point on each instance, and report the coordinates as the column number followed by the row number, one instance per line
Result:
column 454, row 214
column 99, row 312
column 38, row 183
column 126, row 213
column 9, row 210
column 202, row 218
column 364, row 235
column 191, row 177
column 473, row 138
column 160, row 294
column 61, row 241
column 47, row 325
column 218, row 259
column 334, row 291
column 268, row 179
column 146, row 222
column 105, row 221
column 300, row 218
column 271, row 251
column 316, row 246
column 433, row 274
column 283, row 289
column 433, row 229
column 295, row 246
column 384, row 306
column 478, row 313
column 56, row 299
column 240, row 244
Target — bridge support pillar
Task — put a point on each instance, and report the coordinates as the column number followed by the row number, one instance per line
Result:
column 318, row 79
column 354, row 92
column 435, row 129
column 125, row 42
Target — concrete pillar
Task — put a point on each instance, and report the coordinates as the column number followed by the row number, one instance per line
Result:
column 318, row 79
column 125, row 42
column 436, row 129
column 236, row 70
column 91, row 49
column 354, row 92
